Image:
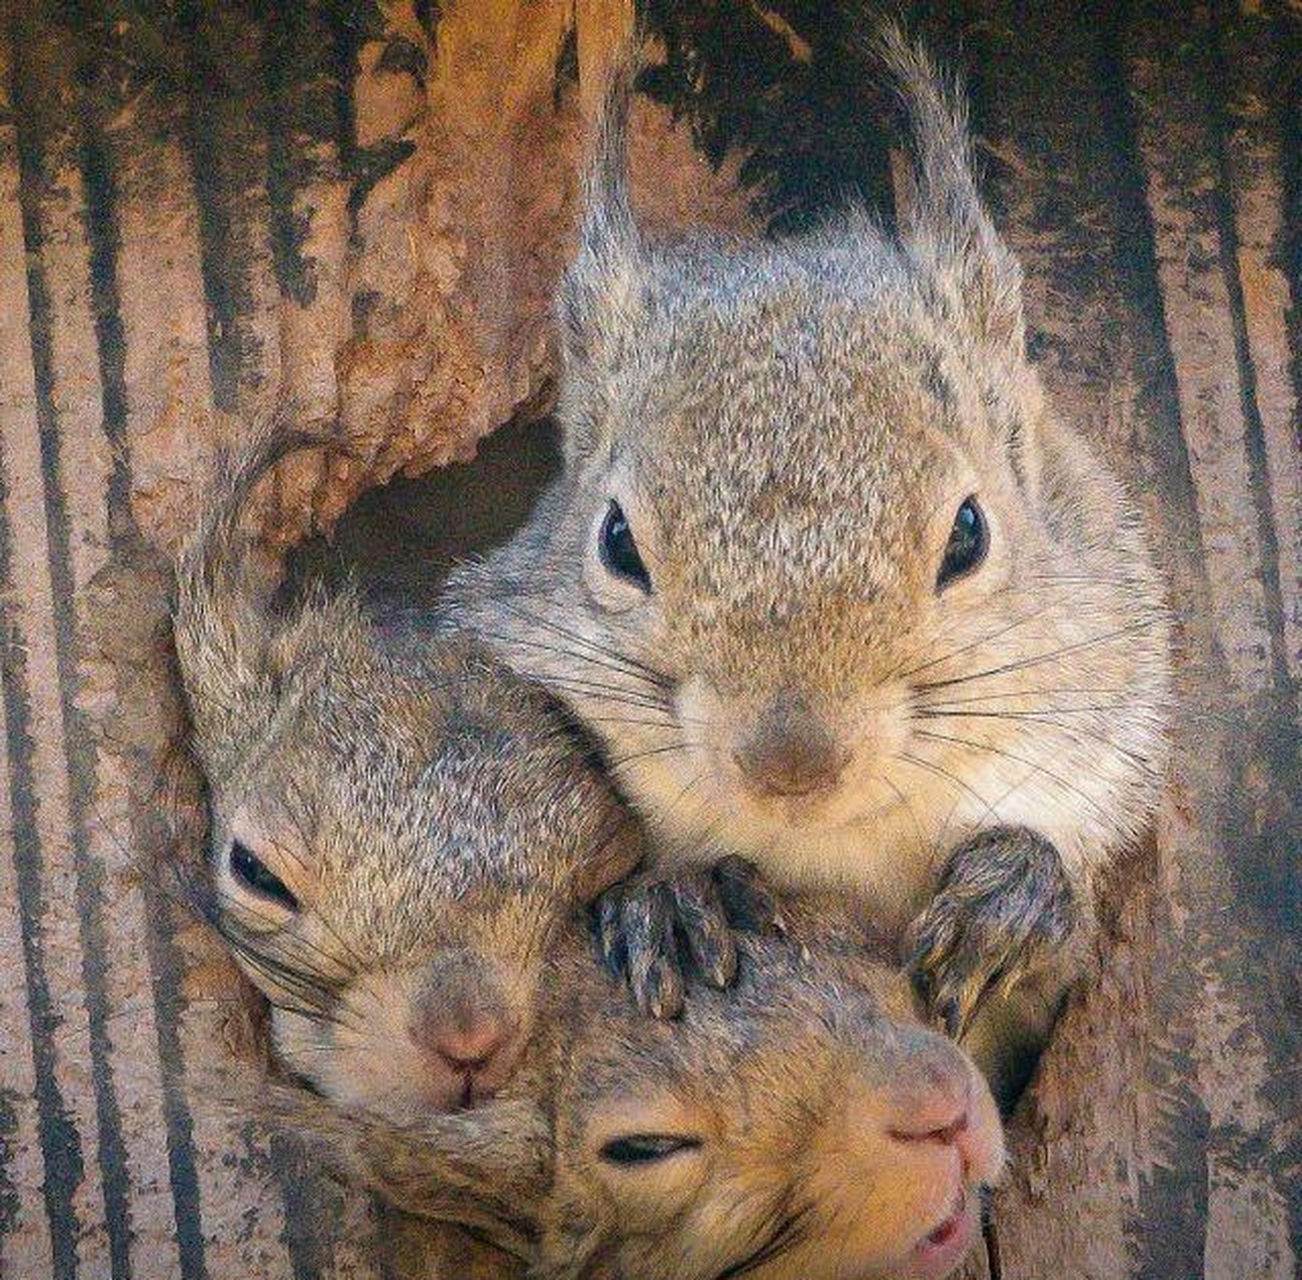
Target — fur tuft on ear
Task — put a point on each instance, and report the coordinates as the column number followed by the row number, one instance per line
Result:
column 601, row 284
column 221, row 619
column 946, row 229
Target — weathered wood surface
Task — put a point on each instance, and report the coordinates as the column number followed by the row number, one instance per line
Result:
column 362, row 207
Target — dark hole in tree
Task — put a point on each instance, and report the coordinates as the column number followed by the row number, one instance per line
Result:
column 398, row 541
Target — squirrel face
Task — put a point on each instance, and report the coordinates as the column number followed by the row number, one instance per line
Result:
column 395, row 835
column 821, row 557
column 801, row 1124
column 392, row 872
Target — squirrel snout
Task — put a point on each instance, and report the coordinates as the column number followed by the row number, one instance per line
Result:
column 470, row 1041
column 790, row 752
column 471, row 1047
column 949, row 1106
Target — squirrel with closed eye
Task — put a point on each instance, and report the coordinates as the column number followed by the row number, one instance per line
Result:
column 402, row 838
column 802, row 1123
column 833, row 587
column 396, row 829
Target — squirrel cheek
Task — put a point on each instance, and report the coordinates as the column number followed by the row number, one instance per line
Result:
column 300, row 1045
column 651, row 1197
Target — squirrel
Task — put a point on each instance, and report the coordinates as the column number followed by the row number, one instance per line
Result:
column 403, row 836
column 803, row 1122
column 829, row 583
column 396, row 830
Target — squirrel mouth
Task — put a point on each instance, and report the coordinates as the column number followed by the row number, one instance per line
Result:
column 467, row 1098
column 948, row 1229
column 942, row 1247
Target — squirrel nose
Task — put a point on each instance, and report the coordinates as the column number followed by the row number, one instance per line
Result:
column 948, row 1106
column 470, row 1048
column 467, row 1029
column 790, row 752
column 948, row 1134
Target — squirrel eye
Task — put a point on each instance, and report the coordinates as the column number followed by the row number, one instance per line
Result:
column 255, row 876
column 646, row 1148
column 619, row 552
column 968, row 540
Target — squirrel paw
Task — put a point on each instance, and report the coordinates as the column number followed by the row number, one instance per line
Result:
column 1002, row 905
column 646, row 928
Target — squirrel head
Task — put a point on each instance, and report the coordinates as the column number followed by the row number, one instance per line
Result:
column 396, row 831
column 802, row 1123
column 818, row 524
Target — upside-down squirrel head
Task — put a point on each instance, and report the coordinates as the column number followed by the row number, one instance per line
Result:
column 802, row 1123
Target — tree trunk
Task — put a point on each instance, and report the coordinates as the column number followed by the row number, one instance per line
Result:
column 360, row 209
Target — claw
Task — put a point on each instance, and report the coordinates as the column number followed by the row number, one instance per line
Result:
column 705, row 929
column 652, row 950
column 748, row 902
column 951, row 1018
column 644, row 929
column 610, row 933
column 1003, row 902
column 659, row 991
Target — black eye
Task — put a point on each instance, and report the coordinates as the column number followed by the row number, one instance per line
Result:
column 619, row 552
column 646, row 1148
column 967, row 544
column 254, row 875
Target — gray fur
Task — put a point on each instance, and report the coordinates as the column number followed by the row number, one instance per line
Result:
column 431, row 811
column 448, row 826
column 790, row 428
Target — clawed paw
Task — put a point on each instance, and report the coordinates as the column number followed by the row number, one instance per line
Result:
column 1003, row 904
column 650, row 930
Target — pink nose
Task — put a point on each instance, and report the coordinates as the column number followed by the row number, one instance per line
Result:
column 471, row 1047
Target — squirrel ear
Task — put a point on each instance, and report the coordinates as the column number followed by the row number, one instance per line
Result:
column 601, row 286
column 946, row 228
column 222, row 623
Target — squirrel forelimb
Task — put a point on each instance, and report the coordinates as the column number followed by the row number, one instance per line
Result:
column 1003, row 906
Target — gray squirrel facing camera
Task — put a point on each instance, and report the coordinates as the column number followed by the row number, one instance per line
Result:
column 833, row 588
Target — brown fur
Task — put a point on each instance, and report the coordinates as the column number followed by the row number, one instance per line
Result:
column 790, row 428
column 431, row 815
column 793, row 1081
column 429, row 810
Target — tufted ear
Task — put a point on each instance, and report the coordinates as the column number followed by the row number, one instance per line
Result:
column 227, row 637
column 946, row 229
column 599, row 298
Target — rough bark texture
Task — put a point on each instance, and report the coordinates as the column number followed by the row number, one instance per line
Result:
column 361, row 208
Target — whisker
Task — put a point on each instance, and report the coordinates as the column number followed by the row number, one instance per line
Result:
column 786, row 1235
column 1076, row 732
column 1030, row 764
column 602, row 663
column 1061, row 690
column 621, row 762
column 977, row 643
column 1039, row 659
column 632, row 665
column 938, row 770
